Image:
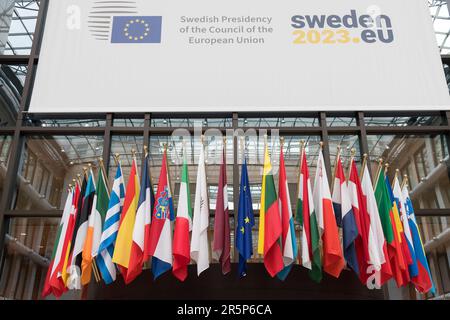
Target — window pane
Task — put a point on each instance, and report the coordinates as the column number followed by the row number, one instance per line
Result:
column 191, row 122
column 405, row 121
column 17, row 25
column 422, row 158
column 64, row 123
column 312, row 121
column 124, row 147
column 12, row 79
column 129, row 122
column 437, row 247
column 58, row 159
column 29, row 245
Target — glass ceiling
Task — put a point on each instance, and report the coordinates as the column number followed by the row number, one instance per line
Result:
column 24, row 14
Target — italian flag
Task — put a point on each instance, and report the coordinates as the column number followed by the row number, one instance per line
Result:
column 333, row 259
column 306, row 216
column 269, row 221
column 183, row 225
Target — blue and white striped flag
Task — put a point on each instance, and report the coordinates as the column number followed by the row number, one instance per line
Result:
column 110, row 229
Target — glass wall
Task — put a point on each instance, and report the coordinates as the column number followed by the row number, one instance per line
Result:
column 49, row 164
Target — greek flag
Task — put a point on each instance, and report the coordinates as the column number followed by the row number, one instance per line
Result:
column 110, row 229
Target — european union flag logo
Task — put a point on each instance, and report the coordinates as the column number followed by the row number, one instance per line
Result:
column 134, row 29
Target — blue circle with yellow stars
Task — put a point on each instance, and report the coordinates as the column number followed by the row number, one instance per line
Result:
column 136, row 29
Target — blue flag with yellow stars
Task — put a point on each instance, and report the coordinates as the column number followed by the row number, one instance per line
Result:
column 134, row 29
column 245, row 222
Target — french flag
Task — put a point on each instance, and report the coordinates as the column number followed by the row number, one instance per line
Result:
column 345, row 217
column 160, row 244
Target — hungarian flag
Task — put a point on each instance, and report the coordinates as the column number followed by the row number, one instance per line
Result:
column 288, row 240
column 394, row 250
column 333, row 260
column 406, row 235
column 245, row 222
column 122, row 251
column 110, row 228
column 221, row 244
column 160, row 244
column 405, row 257
column 422, row 281
column 53, row 283
column 377, row 245
column 269, row 221
column 199, row 240
column 345, row 215
column 73, row 268
column 142, row 222
column 183, row 226
column 306, row 216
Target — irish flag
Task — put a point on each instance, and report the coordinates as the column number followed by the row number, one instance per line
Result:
column 183, row 225
column 269, row 221
column 122, row 251
column 333, row 259
column 306, row 216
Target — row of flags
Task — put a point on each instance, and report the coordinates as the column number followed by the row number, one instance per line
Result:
column 369, row 230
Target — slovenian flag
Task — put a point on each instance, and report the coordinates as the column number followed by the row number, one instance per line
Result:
column 160, row 242
column 407, row 237
column 422, row 281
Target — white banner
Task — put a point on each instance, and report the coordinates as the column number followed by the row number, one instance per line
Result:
column 238, row 55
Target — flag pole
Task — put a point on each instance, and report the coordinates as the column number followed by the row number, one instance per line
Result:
column 242, row 142
column 380, row 168
column 105, row 177
column 404, row 182
column 363, row 166
column 302, row 154
column 395, row 176
column 338, row 155
column 352, row 157
column 94, row 265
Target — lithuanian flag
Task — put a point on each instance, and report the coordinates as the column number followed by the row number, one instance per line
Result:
column 269, row 221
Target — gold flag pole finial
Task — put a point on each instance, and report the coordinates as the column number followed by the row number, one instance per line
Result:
column 116, row 158
column 380, row 168
column 363, row 165
column 321, row 145
column 145, row 150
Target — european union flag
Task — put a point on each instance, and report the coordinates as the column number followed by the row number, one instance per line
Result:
column 245, row 223
column 134, row 29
